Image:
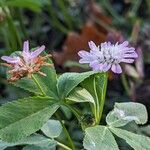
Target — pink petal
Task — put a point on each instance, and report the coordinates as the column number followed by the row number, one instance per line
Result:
column 116, row 68
column 127, row 60
column 95, row 65
column 84, row 61
column 92, row 45
column 26, row 47
column 86, row 57
column 106, row 67
column 83, row 53
column 104, row 45
column 37, row 52
column 132, row 55
column 9, row 59
column 124, row 44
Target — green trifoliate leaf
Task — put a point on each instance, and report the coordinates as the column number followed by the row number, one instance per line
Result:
column 68, row 81
column 99, row 137
column 80, row 95
column 137, row 142
column 35, row 140
column 124, row 113
column 28, row 85
column 146, row 130
column 24, row 117
column 52, row 128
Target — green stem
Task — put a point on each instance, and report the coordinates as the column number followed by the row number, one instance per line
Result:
column 102, row 102
column 97, row 107
column 125, row 84
column 66, row 132
column 39, row 86
column 63, row 146
column 77, row 114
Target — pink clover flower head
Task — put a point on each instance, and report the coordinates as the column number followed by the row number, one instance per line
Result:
column 26, row 63
column 108, row 56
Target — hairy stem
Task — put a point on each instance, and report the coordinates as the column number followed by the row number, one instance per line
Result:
column 66, row 132
column 63, row 146
column 103, row 97
column 97, row 107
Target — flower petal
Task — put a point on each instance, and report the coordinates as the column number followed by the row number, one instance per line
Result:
column 124, row 44
column 93, row 46
column 116, row 68
column 83, row 53
column 106, row 66
column 132, row 55
column 84, row 61
column 26, row 47
column 11, row 60
column 127, row 60
column 37, row 52
column 86, row 57
column 95, row 65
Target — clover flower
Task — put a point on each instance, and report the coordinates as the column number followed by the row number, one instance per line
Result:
column 107, row 56
column 27, row 63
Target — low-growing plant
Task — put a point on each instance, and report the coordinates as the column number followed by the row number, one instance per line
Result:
column 21, row 119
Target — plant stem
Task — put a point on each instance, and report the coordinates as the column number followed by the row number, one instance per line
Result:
column 75, row 111
column 97, row 107
column 103, row 97
column 125, row 84
column 63, row 146
column 66, row 132
column 39, row 86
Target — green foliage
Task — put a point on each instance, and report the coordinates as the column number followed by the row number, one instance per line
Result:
column 80, row 95
column 48, row 83
column 96, row 86
column 124, row 113
column 137, row 142
column 35, row 140
column 49, row 146
column 29, row 4
column 52, row 128
column 31, row 86
column 24, row 117
column 99, row 137
column 68, row 81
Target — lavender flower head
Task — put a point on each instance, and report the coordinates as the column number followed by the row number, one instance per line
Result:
column 107, row 56
column 26, row 63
